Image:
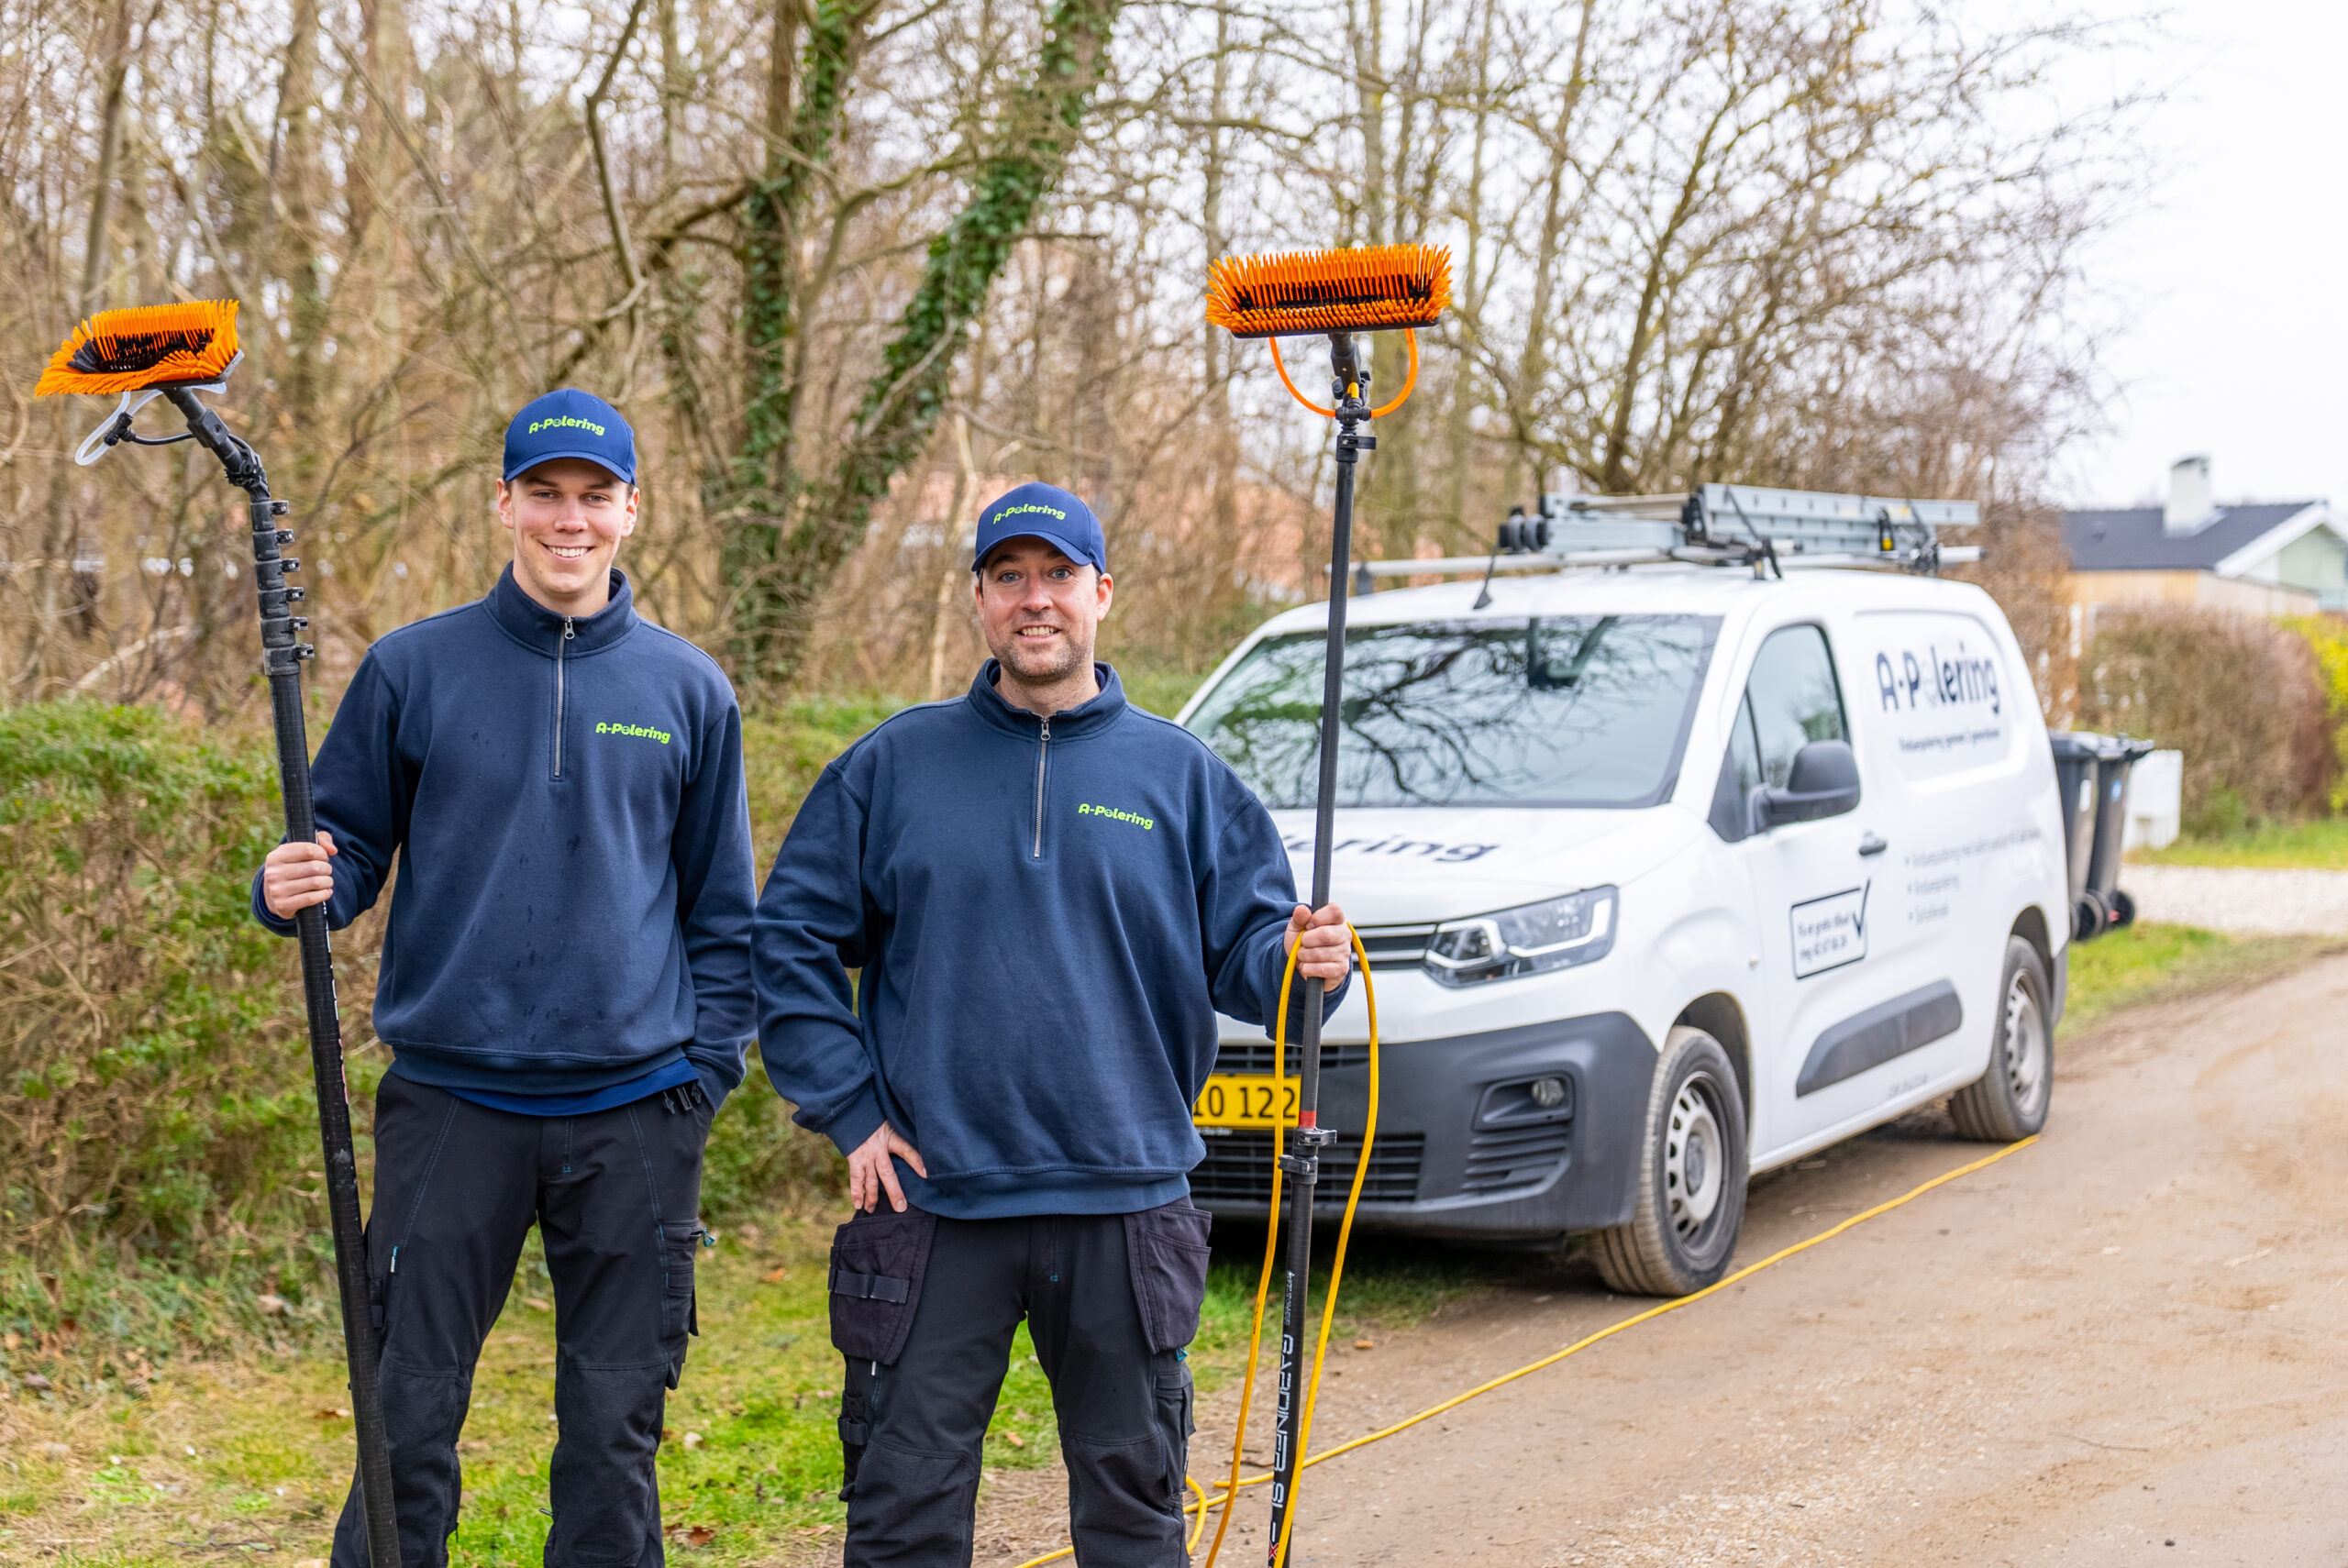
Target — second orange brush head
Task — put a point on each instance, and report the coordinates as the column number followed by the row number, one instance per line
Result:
column 1372, row 290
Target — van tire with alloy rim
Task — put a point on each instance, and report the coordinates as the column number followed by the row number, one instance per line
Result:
column 1692, row 1177
column 2010, row 1100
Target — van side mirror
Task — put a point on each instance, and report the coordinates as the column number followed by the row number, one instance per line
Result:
column 1822, row 782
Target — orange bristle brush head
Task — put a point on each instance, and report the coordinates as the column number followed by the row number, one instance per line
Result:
column 1372, row 290
column 146, row 346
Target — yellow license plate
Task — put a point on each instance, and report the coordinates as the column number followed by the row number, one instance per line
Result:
column 1245, row 1099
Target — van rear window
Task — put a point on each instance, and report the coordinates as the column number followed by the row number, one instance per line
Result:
column 1557, row 710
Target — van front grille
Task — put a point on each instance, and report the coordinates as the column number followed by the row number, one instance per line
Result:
column 1238, row 1169
column 1395, row 947
column 1256, row 1057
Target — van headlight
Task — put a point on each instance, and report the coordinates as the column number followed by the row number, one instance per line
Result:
column 1528, row 939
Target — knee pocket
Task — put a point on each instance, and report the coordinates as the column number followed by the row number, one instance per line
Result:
column 914, row 1490
column 421, row 1406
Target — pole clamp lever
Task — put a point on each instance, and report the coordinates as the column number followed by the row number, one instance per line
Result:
column 280, row 508
column 285, row 535
column 1316, row 1137
column 304, row 650
column 291, row 563
column 1300, row 1165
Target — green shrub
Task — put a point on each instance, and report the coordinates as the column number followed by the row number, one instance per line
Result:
column 158, row 1132
column 2327, row 638
column 157, row 1114
column 2241, row 697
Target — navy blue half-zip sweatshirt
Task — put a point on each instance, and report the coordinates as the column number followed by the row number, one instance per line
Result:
column 566, row 800
column 1047, row 915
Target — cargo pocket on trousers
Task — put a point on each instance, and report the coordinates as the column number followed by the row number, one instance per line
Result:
column 680, row 1311
column 1165, row 1250
column 877, row 1265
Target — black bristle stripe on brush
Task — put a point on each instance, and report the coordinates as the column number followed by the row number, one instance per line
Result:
column 127, row 353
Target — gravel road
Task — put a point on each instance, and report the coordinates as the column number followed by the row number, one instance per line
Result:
column 2120, row 1346
column 2246, row 899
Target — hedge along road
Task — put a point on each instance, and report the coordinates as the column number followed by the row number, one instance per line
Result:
column 2124, row 1336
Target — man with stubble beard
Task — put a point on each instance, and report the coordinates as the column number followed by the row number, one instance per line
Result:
column 1050, row 894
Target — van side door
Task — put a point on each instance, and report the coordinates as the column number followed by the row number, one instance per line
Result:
column 1814, row 885
column 1950, row 726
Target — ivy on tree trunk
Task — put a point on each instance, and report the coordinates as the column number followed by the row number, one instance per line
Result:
column 746, row 495
column 798, row 555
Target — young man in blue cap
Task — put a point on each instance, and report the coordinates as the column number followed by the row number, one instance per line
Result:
column 565, row 983
column 1050, row 894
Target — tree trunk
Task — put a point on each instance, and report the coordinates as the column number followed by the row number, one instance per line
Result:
column 807, row 93
column 110, row 110
column 902, row 404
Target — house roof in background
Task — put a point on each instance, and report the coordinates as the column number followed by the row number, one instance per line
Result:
column 2131, row 539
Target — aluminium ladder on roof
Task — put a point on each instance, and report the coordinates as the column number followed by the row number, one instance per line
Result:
column 1717, row 524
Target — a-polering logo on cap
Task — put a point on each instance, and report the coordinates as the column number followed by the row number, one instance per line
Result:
column 563, row 422
column 1030, row 506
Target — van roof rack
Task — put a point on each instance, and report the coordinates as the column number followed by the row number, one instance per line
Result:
column 1714, row 524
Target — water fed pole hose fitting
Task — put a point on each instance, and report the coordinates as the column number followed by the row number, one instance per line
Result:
column 178, row 352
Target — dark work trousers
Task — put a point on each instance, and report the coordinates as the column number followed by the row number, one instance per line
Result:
column 616, row 1194
column 913, row 1429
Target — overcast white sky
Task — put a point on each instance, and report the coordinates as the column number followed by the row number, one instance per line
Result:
column 2231, row 287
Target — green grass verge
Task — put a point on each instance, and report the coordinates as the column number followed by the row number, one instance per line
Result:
column 2321, row 844
column 2146, row 963
column 257, row 1451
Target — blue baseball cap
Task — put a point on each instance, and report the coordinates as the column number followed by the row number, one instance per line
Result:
column 570, row 424
column 1043, row 512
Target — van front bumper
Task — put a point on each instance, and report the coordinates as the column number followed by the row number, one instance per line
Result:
column 1464, row 1150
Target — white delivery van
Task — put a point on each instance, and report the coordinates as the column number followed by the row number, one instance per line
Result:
column 1668, row 873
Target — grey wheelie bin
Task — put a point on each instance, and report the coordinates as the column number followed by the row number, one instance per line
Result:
column 2120, row 756
column 2079, row 777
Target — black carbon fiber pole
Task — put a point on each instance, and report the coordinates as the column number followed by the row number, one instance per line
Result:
column 1301, row 1163
column 281, row 656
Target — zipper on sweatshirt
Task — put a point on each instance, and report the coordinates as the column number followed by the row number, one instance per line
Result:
column 560, row 649
column 1043, row 749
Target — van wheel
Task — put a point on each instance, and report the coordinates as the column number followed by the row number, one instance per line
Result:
column 2010, row 1100
column 1691, row 1183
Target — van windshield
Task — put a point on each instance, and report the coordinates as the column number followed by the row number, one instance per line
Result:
column 1558, row 711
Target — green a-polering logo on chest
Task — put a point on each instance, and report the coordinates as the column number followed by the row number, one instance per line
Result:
column 1115, row 815
column 642, row 731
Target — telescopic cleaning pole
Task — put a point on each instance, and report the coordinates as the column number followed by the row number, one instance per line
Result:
column 197, row 345
column 1302, row 1159
column 1336, row 294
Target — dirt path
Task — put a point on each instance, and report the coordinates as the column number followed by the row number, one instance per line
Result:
column 2118, row 1346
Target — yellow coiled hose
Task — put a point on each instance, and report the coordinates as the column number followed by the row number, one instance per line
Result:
column 1264, row 1283
column 1271, row 1251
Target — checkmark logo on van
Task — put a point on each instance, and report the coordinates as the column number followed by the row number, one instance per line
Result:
column 1831, row 931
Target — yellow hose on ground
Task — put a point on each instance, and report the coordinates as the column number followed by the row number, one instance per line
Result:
column 1224, row 1497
